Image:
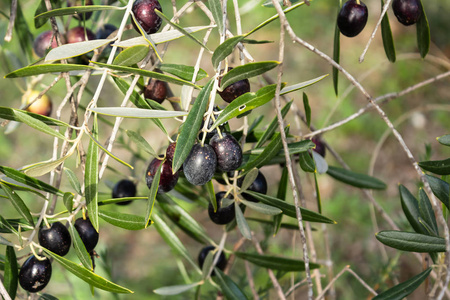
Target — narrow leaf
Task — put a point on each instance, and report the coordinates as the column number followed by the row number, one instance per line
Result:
column 423, row 33
column 440, row 189
column 10, row 114
column 23, row 32
column 307, row 109
column 426, row 212
column 444, row 140
column 247, row 71
column 11, row 276
column 38, row 23
column 212, row 194
column 87, row 275
column 46, row 68
column 273, row 125
column 411, row 241
column 68, row 201
column 131, row 56
column 141, row 142
column 386, row 34
column 242, row 223
column 91, row 178
column 176, row 289
column 356, row 179
column 75, row 49
column 216, row 9
column 18, row 203
column 75, row 10
column 301, row 85
column 125, row 221
column 152, row 195
column 45, row 167
column 188, row 134
column 307, row 162
column 138, row 113
column 294, row 148
column 37, row 124
column 73, row 180
column 229, row 288
column 410, row 207
column 80, row 249
column 405, row 288
column 184, row 72
column 440, row 167
column 262, row 208
column 336, row 54
column 281, row 195
column 276, row 262
column 225, row 49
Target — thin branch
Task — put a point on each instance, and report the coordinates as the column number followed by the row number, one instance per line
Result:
column 12, row 19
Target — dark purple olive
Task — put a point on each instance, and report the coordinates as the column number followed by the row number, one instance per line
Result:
column 408, row 12
column 200, row 165
column 234, row 90
column 105, row 31
column 124, row 189
column 144, row 12
column 258, row 186
column 81, row 16
column 167, row 181
column 42, row 43
column 156, row 90
column 223, row 215
column 170, row 151
column 35, row 274
column 78, row 34
column 352, row 18
column 87, row 233
column 320, row 147
column 221, row 263
column 56, row 238
column 228, row 152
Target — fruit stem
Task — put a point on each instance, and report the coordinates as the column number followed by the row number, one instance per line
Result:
column 46, row 222
column 35, row 253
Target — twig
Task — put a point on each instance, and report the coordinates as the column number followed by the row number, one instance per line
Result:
column 251, row 282
column 12, row 19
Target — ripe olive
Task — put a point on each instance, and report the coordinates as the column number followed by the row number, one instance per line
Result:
column 352, row 18
column 200, row 165
column 56, row 238
column 221, row 263
column 81, row 16
column 228, row 152
column 234, row 90
column 87, row 233
column 144, row 12
column 156, row 90
column 258, row 186
column 320, row 147
column 223, row 215
column 408, row 12
column 77, row 34
column 124, row 189
column 167, row 181
column 35, row 274
column 45, row 41
column 170, row 151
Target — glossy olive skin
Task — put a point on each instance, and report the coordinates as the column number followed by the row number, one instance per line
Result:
column 167, row 181
column 221, row 263
column 234, row 90
column 200, row 165
column 320, row 147
column 170, row 151
column 352, row 18
column 156, row 90
column 223, row 215
column 56, row 238
column 35, row 274
column 228, row 152
column 408, row 12
column 42, row 43
column 259, row 186
column 81, row 16
column 87, row 233
column 76, row 35
column 144, row 12
column 124, row 189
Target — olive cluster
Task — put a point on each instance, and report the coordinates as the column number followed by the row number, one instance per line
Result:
column 36, row 272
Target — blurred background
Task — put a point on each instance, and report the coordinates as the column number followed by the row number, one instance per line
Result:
column 142, row 261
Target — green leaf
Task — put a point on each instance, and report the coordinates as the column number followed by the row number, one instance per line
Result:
column 182, row 219
column 225, row 49
column 184, row 72
column 151, row 74
column 75, row 49
column 301, row 85
column 38, row 23
column 276, row 262
column 37, row 124
column 440, row 189
column 440, row 167
column 241, row 222
column 88, row 276
column 91, row 178
column 410, row 207
column 46, row 68
column 138, row 113
column 294, row 148
column 386, row 34
column 307, row 162
column 244, row 103
column 188, row 133
column 411, row 241
column 273, row 125
column 141, row 142
column 6, row 227
column 152, row 195
column 427, row 213
column 246, row 71
column 147, row 37
column 281, row 195
column 11, row 276
column 131, row 56
column 73, row 180
column 68, row 201
column 336, row 54
column 321, row 163
column 289, row 209
column 125, row 221
column 216, row 9
column 444, row 140
column 23, row 32
column 80, row 249
column 18, row 203
column 403, row 289
column 10, row 114
column 423, row 33
column 17, row 187
column 307, row 109
column 249, row 179
column 229, row 288
column 181, row 29
column 172, row 240
column 262, row 208
column 319, row 202
column 75, row 10
column 176, row 289
column 212, row 194
column 30, row 181
column 356, row 179
column 5, row 242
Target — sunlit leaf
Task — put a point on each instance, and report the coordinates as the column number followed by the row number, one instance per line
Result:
column 141, row 142
column 44, row 69
column 301, row 85
column 216, row 9
column 131, row 56
column 246, row 71
column 184, row 72
column 138, row 113
column 75, row 49
column 176, row 289
column 262, row 208
column 18, row 203
column 10, row 114
column 73, row 179
column 68, row 201
column 225, row 49
column 37, row 124
column 273, row 125
column 122, row 220
column 80, row 249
